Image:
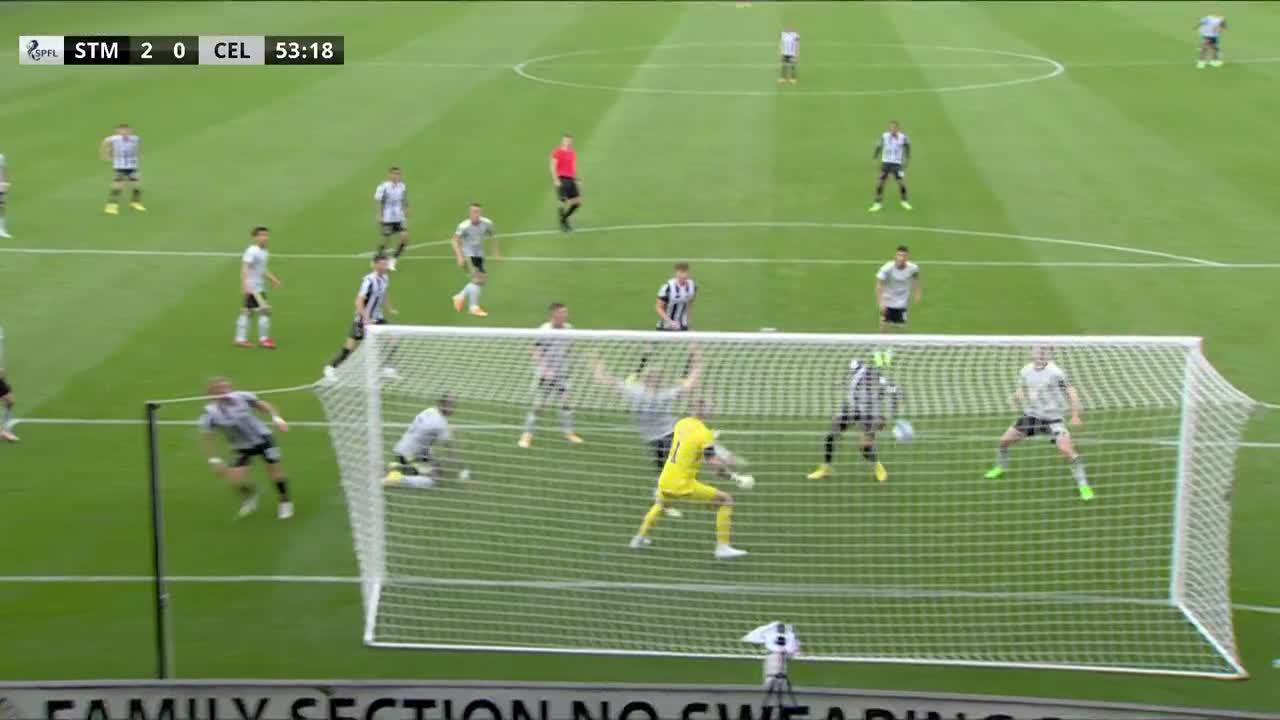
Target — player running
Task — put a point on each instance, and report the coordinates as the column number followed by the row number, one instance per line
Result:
column 1211, row 27
column 552, row 362
column 564, row 175
column 232, row 413
column 896, row 282
column 415, row 465
column 6, row 409
column 253, row 277
column 894, row 151
column 1044, row 394
column 789, row 52
column 871, row 402
column 4, row 189
column 373, row 302
column 391, row 213
column 692, row 443
column 468, row 245
column 122, row 149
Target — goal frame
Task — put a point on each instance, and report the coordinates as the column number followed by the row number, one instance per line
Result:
column 378, row 335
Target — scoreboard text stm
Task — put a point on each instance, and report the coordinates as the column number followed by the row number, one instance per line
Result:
column 180, row 49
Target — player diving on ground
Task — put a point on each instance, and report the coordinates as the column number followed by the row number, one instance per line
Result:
column 418, row 462
column 871, row 401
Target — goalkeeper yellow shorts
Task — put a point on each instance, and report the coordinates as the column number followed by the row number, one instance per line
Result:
column 687, row 490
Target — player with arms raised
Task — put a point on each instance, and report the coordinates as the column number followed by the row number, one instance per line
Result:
column 4, row 189
column 468, row 245
column 391, row 212
column 1211, row 27
column 253, row 277
column 871, row 402
column 233, row 414
column 416, row 466
column 122, row 149
column 894, row 151
column 896, row 282
column 552, row 361
column 1045, row 395
column 692, row 443
column 373, row 302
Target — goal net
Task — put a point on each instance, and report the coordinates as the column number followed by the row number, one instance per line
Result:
column 529, row 549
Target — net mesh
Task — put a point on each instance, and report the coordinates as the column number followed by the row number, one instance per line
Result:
column 937, row 564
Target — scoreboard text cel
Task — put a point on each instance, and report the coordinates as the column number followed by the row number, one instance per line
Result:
column 180, row 49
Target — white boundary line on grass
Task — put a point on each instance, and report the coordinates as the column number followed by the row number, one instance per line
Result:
column 1070, row 65
column 604, row 585
column 1172, row 260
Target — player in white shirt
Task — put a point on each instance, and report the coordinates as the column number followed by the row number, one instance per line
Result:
column 123, row 150
column 1211, row 27
column 468, row 245
column 373, row 303
column 894, row 151
column 234, row 415
column 553, row 364
column 896, row 282
column 4, row 189
column 789, row 52
column 416, row 465
column 254, row 276
column 391, row 213
column 1045, row 395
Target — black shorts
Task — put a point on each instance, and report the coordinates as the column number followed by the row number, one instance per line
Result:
column 1, row 199
column 357, row 328
column 1032, row 426
column 251, row 300
column 568, row 189
column 788, row 59
column 267, row 450
column 894, row 169
column 660, row 447
column 895, row 316
column 126, row 173
column 392, row 228
column 681, row 327
column 5, row 388
column 477, row 262
column 868, row 424
column 1210, row 41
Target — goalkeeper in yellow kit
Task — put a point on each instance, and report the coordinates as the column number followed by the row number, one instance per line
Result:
column 693, row 442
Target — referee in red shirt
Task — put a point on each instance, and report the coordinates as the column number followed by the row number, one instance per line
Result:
column 564, row 174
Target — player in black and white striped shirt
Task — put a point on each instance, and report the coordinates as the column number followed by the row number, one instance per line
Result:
column 234, row 415
column 894, row 151
column 870, row 403
column 789, row 52
column 373, row 302
column 674, row 306
column 122, row 149
column 391, row 212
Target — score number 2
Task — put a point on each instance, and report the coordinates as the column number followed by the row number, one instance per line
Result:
column 178, row 50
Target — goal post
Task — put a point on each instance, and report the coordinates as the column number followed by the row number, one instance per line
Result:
column 529, row 549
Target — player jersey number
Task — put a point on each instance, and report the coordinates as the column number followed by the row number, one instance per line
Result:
column 675, row 450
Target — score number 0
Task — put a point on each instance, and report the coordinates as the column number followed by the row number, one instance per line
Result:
column 165, row 50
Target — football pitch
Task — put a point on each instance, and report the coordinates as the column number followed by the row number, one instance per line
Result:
column 1072, row 173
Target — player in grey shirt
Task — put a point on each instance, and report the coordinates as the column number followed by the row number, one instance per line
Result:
column 4, row 188
column 233, row 414
column 416, row 465
column 468, row 244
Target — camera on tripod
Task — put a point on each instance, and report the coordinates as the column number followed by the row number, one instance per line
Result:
column 780, row 643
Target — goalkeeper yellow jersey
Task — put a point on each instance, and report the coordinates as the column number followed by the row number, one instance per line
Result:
column 690, row 441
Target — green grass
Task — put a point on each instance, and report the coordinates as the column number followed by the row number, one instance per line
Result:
column 1155, row 157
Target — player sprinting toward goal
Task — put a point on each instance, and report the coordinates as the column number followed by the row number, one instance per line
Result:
column 553, row 362
column 253, row 278
column 468, row 246
column 692, row 443
column 123, row 150
column 4, row 190
column 373, row 302
column 789, row 53
column 894, row 151
column 418, row 463
column 233, row 414
column 391, row 212
column 871, row 401
column 1045, row 395
column 896, row 282
column 1211, row 27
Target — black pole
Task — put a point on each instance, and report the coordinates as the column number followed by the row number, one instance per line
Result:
column 157, row 546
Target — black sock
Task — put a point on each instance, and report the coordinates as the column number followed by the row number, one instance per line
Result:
column 572, row 209
column 560, row 212
column 340, row 357
column 829, row 449
column 869, row 452
column 399, row 249
column 115, row 195
column 247, row 491
column 137, row 194
column 879, row 191
column 902, row 188
column 282, row 487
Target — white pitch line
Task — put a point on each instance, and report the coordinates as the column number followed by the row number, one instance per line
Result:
column 1070, row 65
column 595, row 584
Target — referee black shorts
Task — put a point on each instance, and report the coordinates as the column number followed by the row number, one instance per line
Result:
column 568, row 189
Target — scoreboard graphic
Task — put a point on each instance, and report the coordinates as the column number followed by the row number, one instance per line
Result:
column 180, row 49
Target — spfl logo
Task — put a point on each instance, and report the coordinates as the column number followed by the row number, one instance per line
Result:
column 40, row 49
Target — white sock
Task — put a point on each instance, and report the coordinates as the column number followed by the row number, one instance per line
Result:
column 2, row 228
column 1002, row 458
column 264, row 327
column 1077, row 471
column 472, row 291
column 242, row 327
column 417, row 481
